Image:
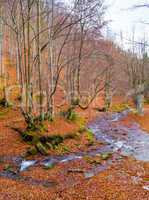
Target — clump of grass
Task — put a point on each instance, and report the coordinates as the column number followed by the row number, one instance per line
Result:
column 62, row 149
column 55, row 140
column 74, row 117
column 81, row 122
column 120, row 107
column 90, row 137
column 70, row 114
column 42, row 148
column 36, row 125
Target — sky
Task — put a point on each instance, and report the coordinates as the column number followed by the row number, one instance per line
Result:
column 127, row 20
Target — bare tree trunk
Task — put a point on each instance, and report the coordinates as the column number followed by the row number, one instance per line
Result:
column 140, row 103
column 39, row 60
column 29, row 57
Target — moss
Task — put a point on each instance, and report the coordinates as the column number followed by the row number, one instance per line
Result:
column 90, row 136
column 62, row 149
column 72, row 116
column 49, row 145
column 30, row 136
column 37, row 126
column 73, row 135
column 41, row 148
column 35, row 139
column 80, row 121
column 75, row 102
column 32, row 151
column 27, row 137
column 82, row 129
column 69, row 114
column 33, row 134
column 55, row 140
column 120, row 107
column 93, row 160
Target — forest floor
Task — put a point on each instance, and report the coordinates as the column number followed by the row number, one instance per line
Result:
column 124, row 179
column 82, row 171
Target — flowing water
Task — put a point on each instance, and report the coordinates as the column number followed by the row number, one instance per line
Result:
column 129, row 141
column 118, row 140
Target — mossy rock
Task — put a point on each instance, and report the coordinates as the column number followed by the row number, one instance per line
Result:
column 36, row 139
column 27, row 136
column 41, row 148
column 31, row 137
column 37, row 126
column 32, row 151
column 74, row 135
column 49, row 145
column 55, row 140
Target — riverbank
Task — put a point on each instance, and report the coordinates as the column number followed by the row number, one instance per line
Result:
column 116, row 177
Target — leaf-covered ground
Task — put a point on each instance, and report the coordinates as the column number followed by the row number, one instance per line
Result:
column 125, row 179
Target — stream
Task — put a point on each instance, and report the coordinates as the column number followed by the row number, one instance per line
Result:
column 128, row 141
column 118, row 140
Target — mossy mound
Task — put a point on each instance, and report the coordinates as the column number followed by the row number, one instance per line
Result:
column 120, row 107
